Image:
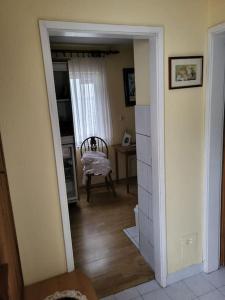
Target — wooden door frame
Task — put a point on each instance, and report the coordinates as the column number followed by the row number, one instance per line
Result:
column 155, row 35
column 214, row 124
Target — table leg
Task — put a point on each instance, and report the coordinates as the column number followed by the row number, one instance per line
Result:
column 127, row 173
column 116, row 162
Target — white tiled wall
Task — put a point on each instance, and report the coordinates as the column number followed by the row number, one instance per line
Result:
column 145, row 202
column 146, row 227
column 147, row 250
column 144, row 152
column 142, row 119
column 144, row 171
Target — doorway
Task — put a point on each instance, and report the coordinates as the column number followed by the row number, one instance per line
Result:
column 90, row 77
column 214, row 125
column 155, row 37
column 222, row 228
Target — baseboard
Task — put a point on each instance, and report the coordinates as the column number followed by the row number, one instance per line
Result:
column 184, row 273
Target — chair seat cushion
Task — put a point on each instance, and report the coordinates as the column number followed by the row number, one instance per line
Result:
column 95, row 163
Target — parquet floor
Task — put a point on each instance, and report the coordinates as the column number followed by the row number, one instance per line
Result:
column 101, row 249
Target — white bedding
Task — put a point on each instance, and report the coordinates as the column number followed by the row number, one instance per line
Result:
column 96, row 163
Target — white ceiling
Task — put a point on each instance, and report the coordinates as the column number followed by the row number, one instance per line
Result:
column 90, row 40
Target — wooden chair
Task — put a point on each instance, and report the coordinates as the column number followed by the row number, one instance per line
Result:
column 95, row 143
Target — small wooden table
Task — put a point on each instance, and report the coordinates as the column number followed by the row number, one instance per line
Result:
column 127, row 151
column 75, row 280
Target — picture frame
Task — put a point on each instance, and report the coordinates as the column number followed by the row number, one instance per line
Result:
column 185, row 72
column 126, row 139
column 129, row 86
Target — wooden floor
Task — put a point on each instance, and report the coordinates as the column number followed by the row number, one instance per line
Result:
column 101, row 249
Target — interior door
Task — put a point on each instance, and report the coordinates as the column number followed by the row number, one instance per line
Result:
column 12, row 281
column 222, row 231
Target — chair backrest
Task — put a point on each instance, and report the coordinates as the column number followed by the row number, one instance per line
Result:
column 94, row 143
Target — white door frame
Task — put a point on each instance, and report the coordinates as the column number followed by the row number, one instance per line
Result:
column 156, row 38
column 214, row 122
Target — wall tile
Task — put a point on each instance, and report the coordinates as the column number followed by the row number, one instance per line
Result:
column 144, row 176
column 150, row 207
column 145, row 202
column 143, row 119
column 147, row 250
column 144, row 148
column 144, row 171
column 146, row 227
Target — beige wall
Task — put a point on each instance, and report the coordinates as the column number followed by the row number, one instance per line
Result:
column 142, row 67
column 122, row 116
column 26, row 131
column 216, row 12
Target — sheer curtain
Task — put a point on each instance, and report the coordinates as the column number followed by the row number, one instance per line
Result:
column 90, row 100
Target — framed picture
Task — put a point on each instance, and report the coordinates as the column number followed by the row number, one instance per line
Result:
column 129, row 86
column 126, row 139
column 185, row 72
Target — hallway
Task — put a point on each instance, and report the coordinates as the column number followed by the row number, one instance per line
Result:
column 101, row 249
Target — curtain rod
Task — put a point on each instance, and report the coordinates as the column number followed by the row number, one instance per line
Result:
column 67, row 54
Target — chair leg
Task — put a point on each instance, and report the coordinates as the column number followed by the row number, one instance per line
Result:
column 107, row 183
column 112, row 184
column 88, row 187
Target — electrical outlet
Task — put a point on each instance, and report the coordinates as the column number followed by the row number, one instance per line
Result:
column 189, row 249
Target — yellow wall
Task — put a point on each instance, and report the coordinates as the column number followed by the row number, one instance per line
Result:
column 26, row 131
column 122, row 116
column 141, row 63
column 216, row 12
column 183, row 140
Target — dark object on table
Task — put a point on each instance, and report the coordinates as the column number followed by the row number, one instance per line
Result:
column 95, row 143
column 129, row 86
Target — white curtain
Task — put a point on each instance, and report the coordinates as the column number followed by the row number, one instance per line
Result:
column 90, row 100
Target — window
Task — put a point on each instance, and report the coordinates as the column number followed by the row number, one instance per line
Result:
column 90, row 99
